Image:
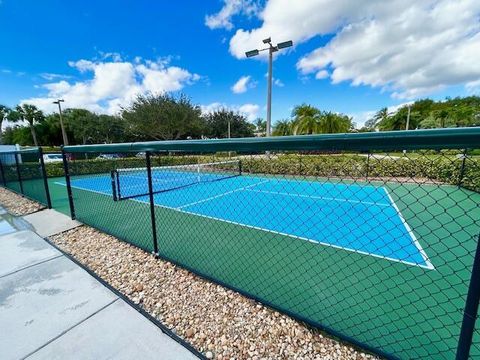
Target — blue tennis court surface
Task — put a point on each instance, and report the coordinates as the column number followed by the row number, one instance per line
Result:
column 352, row 217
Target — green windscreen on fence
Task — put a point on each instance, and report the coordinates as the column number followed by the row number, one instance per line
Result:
column 22, row 171
column 370, row 237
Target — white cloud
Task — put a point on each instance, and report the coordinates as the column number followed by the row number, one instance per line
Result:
column 250, row 111
column 322, row 74
column 223, row 19
column 278, row 82
column 359, row 118
column 52, row 76
column 242, row 85
column 407, row 47
column 114, row 84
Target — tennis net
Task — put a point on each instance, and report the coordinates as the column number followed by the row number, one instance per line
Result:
column 133, row 182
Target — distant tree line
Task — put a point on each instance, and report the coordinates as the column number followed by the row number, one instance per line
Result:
column 150, row 117
column 168, row 117
column 429, row 114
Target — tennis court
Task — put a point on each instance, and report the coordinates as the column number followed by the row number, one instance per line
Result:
column 372, row 260
column 352, row 217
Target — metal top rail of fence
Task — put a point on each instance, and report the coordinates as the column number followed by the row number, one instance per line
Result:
column 346, row 232
column 456, row 138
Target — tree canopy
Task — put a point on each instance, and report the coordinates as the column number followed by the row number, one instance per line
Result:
column 307, row 119
column 429, row 114
column 216, row 124
column 163, row 117
column 30, row 114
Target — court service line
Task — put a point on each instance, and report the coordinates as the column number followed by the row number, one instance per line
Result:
column 222, row 194
column 410, row 232
column 319, row 197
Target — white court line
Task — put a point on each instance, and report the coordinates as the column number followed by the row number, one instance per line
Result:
column 82, row 188
column 318, row 242
column 222, row 194
column 318, row 197
column 410, row 232
column 429, row 265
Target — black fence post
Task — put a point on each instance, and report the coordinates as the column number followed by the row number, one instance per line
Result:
column 114, row 186
column 69, row 187
column 3, row 173
column 152, row 204
column 45, row 178
column 471, row 309
column 367, row 172
column 19, row 176
column 462, row 169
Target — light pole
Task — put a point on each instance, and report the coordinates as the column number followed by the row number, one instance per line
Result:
column 409, row 106
column 271, row 49
column 64, row 134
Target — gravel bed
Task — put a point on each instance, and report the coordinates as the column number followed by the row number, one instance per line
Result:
column 17, row 204
column 220, row 323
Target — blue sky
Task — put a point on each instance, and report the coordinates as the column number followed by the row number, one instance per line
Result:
column 349, row 57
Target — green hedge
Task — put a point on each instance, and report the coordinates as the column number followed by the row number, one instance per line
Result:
column 441, row 168
column 96, row 166
column 445, row 169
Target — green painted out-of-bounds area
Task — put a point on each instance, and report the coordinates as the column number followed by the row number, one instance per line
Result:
column 404, row 310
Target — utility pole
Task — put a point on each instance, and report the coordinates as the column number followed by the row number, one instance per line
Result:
column 271, row 49
column 64, row 134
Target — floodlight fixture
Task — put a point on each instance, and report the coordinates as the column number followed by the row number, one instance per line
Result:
column 285, row 44
column 252, row 53
column 271, row 49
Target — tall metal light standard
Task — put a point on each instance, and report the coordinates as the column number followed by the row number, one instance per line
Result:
column 64, row 134
column 271, row 49
column 409, row 106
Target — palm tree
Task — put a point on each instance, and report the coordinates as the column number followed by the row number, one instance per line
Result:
column 260, row 126
column 282, row 128
column 379, row 119
column 4, row 111
column 306, row 118
column 331, row 123
column 30, row 114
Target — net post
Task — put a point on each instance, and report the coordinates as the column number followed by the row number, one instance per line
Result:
column 45, row 179
column 152, row 203
column 69, row 187
column 114, row 186
column 471, row 309
column 2, row 170
column 19, row 176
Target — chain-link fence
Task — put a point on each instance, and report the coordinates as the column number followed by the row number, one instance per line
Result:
column 23, row 171
column 371, row 237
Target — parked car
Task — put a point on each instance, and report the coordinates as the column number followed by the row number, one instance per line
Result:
column 51, row 158
column 141, row 155
column 108, row 157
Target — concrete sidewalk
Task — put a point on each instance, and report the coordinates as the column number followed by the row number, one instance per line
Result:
column 51, row 308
